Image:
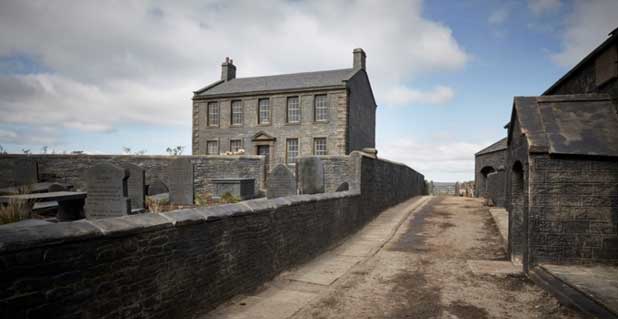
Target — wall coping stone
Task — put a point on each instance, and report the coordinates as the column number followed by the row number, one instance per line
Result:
column 19, row 238
column 120, row 156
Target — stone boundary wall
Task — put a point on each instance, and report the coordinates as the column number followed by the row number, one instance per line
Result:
column 182, row 263
column 340, row 169
column 71, row 168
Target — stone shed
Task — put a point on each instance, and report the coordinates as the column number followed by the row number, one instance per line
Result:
column 562, row 179
column 489, row 172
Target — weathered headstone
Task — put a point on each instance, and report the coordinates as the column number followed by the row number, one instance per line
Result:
column 281, row 182
column 157, row 187
column 107, row 191
column 26, row 172
column 310, row 175
column 135, row 185
column 180, row 177
column 343, row 187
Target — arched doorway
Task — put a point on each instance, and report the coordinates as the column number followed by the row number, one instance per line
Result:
column 517, row 221
column 482, row 187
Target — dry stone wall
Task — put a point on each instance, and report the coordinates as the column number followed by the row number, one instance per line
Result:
column 185, row 262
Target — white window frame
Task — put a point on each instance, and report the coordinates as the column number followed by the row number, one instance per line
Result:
column 291, row 154
column 236, row 114
column 239, row 145
column 317, row 151
column 210, row 142
column 320, row 110
column 266, row 119
column 212, row 116
column 293, row 109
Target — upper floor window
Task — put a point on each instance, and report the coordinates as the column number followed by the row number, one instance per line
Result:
column 212, row 147
column 235, row 145
column 319, row 146
column 263, row 111
column 291, row 150
column 293, row 110
column 236, row 112
column 213, row 114
column 320, row 105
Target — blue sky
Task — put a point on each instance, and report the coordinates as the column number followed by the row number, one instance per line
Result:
column 98, row 77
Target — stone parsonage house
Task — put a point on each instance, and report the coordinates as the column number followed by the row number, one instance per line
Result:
column 286, row 116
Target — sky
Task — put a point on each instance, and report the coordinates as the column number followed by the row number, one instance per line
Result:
column 106, row 77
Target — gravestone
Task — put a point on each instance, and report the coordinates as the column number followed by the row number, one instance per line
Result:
column 343, row 187
column 180, row 177
column 107, row 191
column 243, row 188
column 310, row 175
column 55, row 187
column 157, row 187
column 26, row 172
column 135, row 185
column 281, row 182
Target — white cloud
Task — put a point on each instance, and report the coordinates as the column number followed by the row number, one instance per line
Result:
column 586, row 28
column 499, row 16
column 539, row 7
column 114, row 63
column 7, row 136
column 438, row 159
column 402, row 95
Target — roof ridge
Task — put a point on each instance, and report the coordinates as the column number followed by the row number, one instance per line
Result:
column 297, row 73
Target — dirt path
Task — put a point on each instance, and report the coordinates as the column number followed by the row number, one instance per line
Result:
column 425, row 271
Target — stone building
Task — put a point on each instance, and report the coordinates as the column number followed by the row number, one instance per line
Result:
column 562, row 182
column 286, row 116
column 489, row 172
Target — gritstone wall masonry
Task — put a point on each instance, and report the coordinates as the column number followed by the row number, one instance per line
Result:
column 71, row 168
column 185, row 262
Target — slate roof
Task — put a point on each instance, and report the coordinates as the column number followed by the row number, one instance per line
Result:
column 581, row 124
column 279, row 82
column 497, row 146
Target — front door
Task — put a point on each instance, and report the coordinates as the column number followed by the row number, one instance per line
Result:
column 265, row 150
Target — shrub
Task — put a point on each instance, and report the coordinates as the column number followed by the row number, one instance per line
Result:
column 15, row 211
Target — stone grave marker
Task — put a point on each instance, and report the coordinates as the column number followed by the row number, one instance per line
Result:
column 180, row 177
column 343, row 187
column 157, row 187
column 26, row 172
column 310, row 175
column 135, row 185
column 281, row 182
column 107, row 191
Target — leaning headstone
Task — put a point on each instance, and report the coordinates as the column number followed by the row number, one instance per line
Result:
column 310, row 175
column 281, row 182
column 26, row 172
column 135, row 185
column 107, row 191
column 343, row 187
column 180, row 177
column 157, row 187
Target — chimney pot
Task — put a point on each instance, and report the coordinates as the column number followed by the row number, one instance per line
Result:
column 228, row 70
column 359, row 58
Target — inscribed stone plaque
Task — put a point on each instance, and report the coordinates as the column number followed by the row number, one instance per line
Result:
column 107, row 191
column 281, row 182
column 26, row 172
column 180, row 177
column 135, row 185
column 157, row 187
column 310, row 174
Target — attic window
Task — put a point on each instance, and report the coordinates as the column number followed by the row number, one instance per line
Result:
column 606, row 65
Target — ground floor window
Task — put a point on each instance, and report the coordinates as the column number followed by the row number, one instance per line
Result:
column 235, row 145
column 212, row 147
column 291, row 150
column 319, row 146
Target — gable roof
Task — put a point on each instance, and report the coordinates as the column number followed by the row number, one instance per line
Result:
column 495, row 147
column 581, row 124
column 292, row 81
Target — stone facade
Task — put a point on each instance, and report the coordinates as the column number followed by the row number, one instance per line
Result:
column 186, row 262
column 71, row 168
column 489, row 160
column 348, row 126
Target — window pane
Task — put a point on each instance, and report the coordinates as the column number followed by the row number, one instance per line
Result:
column 212, row 147
column 292, row 150
column 293, row 110
column 264, row 111
column 321, row 108
column 319, row 146
column 235, row 145
column 213, row 114
column 237, row 112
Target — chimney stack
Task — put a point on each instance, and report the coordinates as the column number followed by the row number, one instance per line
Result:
column 359, row 58
column 228, row 70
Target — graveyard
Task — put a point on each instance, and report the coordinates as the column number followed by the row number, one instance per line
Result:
column 461, row 173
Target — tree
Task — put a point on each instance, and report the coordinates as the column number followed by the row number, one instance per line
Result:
column 2, row 150
column 44, row 149
column 175, row 151
column 26, row 151
column 126, row 150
